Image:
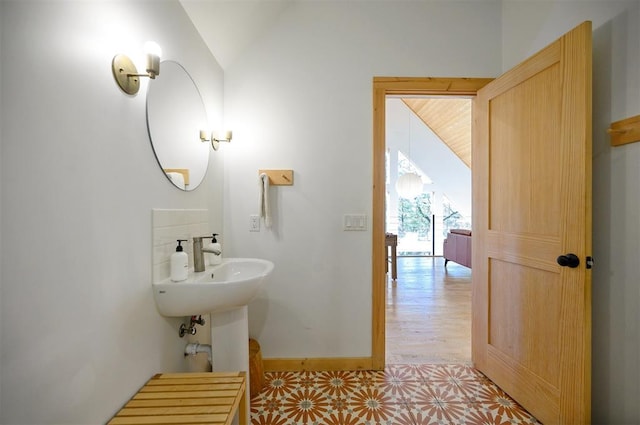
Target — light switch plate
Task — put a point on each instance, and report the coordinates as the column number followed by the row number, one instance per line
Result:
column 355, row 222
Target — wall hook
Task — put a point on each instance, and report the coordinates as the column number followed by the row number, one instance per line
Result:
column 625, row 131
column 279, row 177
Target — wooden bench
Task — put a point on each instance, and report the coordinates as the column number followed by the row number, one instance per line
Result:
column 187, row 398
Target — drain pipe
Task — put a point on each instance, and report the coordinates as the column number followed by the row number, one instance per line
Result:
column 194, row 348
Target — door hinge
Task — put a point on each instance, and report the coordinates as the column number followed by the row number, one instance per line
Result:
column 590, row 262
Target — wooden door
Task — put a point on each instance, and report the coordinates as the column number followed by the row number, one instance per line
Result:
column 531, row 204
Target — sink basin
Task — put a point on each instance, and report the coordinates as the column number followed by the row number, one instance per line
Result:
column 234, row 283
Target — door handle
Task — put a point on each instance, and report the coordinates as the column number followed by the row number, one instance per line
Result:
column 569, row 260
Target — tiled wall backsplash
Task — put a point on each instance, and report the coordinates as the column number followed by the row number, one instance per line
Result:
column 170, row 225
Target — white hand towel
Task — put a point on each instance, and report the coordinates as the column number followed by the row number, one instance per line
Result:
column 177, row 179
column 264, row 199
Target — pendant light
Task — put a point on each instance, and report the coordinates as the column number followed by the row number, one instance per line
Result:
column 409, row 185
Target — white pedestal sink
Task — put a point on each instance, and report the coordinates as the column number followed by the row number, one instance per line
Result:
column 224, row 292
column 229, row 285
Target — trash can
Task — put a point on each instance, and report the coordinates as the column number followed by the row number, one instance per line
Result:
column 256, row 368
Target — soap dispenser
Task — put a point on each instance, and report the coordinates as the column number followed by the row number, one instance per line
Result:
column 179, row 263
column 215, row 246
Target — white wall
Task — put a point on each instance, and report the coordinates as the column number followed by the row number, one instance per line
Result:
column 301, row 98
column 616, row 293
column 528, row 26
column 79, row 329
column 1, row 149
column 616, row 173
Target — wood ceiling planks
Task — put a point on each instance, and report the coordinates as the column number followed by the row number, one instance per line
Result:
column 449, row 119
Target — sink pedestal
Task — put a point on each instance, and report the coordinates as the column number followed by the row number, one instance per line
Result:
column 224, row 291
column 230, row 343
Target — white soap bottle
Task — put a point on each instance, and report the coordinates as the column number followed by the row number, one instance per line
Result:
column 215, row 246
column 179, row 263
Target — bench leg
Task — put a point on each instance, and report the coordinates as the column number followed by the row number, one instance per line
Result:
column 242, row 411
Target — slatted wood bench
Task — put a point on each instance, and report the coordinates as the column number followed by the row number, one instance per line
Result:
column 187, row 398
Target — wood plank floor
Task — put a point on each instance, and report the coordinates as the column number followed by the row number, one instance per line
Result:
column 428, row 310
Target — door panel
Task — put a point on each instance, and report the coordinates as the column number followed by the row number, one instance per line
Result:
column 523, row 316
column 527, row 200
column 532, row 203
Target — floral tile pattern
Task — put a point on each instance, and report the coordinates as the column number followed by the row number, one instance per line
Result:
column 412, row 394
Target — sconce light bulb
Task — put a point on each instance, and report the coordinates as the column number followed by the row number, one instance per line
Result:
column 152, row 48
column 222, row 136
column 153, row 58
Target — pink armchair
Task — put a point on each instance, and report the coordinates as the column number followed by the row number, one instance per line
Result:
column 457, row 247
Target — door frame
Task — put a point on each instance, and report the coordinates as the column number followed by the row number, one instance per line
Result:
column 382, row 87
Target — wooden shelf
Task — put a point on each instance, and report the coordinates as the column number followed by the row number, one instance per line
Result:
column 625, row 131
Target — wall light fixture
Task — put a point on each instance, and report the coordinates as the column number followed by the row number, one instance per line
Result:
column 216, row 138
column 126, row 73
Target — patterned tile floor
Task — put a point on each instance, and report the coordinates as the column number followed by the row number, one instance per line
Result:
column 401, row 395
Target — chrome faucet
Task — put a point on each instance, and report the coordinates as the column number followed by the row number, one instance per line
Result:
column 198, row 253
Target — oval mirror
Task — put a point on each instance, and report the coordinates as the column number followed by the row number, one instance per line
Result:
column 175, row 116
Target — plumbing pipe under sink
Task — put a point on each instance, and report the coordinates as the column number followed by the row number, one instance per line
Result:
column 192, row 349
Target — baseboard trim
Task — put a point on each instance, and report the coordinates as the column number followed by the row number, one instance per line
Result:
column 318, row 364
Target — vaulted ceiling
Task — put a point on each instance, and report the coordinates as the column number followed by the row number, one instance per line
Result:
column 449, row 119
column 229, row 27
column 244, row 21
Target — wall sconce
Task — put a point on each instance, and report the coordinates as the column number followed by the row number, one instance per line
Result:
column 216, row 138
column 126, row 73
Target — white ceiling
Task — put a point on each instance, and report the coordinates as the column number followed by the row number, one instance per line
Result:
column 228, row 27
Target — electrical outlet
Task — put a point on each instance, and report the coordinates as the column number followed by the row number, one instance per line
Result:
column 254, row 223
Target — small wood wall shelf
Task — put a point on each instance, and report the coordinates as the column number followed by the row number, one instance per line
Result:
column 625, row 131
column 279, row 177
column 183, row 171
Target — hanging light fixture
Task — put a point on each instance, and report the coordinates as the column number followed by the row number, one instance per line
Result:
column 409, row 185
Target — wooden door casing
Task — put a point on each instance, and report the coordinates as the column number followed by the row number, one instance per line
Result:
column 383, row 87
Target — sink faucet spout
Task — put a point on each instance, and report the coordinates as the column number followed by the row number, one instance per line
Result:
column 198, row 253
column 212, row 251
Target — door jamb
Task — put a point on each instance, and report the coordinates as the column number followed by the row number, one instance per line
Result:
column 383, row 86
